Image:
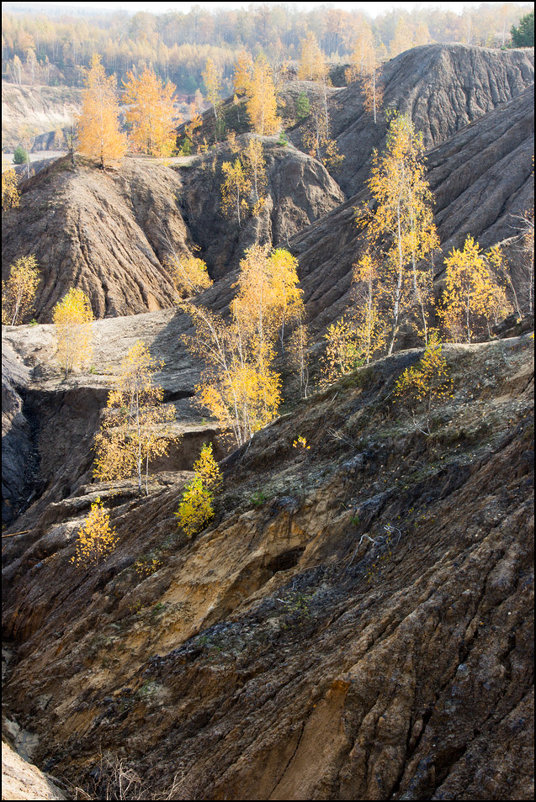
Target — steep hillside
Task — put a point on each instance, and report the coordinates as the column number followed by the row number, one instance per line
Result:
column 355, row 623
column 442, row 88
column 42, row 108
column 110, row 232
column 481, row 179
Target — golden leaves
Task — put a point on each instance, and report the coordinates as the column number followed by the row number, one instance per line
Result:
column 239, row 385
column 189, row 275
column 72, row 317
column 98, row 124
column 151, row 113
column 136, row 427
column 196, row 507
column 96, row 538
column 10, row 192
column 472, row 296
column 18, row 292
column 262, row 103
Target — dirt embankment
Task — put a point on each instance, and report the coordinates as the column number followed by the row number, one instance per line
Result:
column 355, row 623
column 110, row 233
column 42, row 109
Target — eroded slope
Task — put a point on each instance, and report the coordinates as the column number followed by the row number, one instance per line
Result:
column 293, row 650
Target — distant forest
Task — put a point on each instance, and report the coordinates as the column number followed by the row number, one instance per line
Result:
column 37, row 49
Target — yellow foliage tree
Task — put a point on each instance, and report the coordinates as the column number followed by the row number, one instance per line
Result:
column 136, row 426
column 312, row 66
column 243, row 73
column 10, row 191
column 364, row 67
column 262, row 102
column 212, row 80
column 341, row 354
column 208, row 469
column 234, row 190
column 255, row 168
column 239, row 385
column 196, row 508
column 402, row 227
column 151, row 113
column 403, row 38
column 426, row 381
column 472, row 296
column 99, row 136
column 72, row 317
column 189, row 275
column 369, row 323
column 18, row 292
column 96, row 538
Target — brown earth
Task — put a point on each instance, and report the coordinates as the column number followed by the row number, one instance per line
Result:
column 110, row 232
column 291, row 650
column 481, row 179
column 442, row 87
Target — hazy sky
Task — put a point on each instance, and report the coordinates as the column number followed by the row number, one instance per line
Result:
column 160, row 7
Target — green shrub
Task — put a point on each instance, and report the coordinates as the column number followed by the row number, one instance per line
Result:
column 20, row 156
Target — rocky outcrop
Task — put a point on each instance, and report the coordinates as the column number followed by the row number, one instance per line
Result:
column 355, row 623
column 442, row 87
column 111, row 232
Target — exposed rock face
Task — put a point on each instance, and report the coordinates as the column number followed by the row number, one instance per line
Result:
column 293, row 651
column 103, row 232
column 49, row 423
column 442, row 88
column 16, row 435
column 300, row 191
column 110, row 232
column 481, row 179
column 44, row 108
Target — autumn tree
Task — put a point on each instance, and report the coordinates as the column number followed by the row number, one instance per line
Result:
column 262, row 103
column 316, row 135
column 255, row 168
column 239, row 385
column 402, row 228
column 312, row 65
column 189, row 274
column 96, row 538
column 197, row 505
column 136, row 426
column 341, row 354
column 364, row 67
column 402, row 39
column 472, row 297
column 98, row 124
column 18, row 292
column 72, row 317
column 151, row 113
column 234, row 190
column 212, row 80
column 425, row 382
column 10, row 191
column 243, row 73
column 368, row 321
